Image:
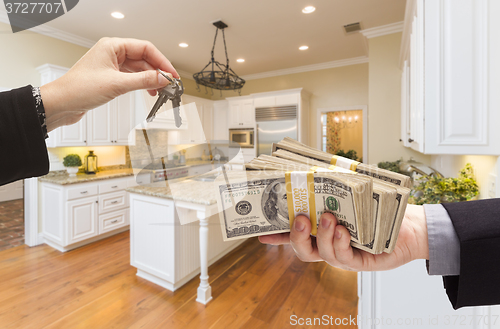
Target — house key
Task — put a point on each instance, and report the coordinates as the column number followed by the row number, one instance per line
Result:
column 173, row 92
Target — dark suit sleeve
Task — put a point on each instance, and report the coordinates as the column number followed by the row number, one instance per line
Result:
column 22, row 144
column 477, row 224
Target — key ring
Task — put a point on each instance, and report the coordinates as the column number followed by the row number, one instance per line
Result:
column 172, row 80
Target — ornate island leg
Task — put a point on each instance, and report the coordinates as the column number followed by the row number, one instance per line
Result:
column 204, row 290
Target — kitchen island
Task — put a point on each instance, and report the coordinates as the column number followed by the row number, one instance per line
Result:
column 164, row 251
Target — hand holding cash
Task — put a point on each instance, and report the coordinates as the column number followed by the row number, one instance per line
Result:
column 350, row 214
column 332, row 243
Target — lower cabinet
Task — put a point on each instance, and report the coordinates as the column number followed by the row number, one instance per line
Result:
column 82, row 219
column 78, row 214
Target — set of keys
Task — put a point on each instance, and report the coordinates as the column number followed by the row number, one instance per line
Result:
column 173, row 91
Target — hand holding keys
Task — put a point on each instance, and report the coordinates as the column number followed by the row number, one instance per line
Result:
column 173, row 92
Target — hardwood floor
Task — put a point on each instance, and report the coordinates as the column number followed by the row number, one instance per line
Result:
column 255, row 286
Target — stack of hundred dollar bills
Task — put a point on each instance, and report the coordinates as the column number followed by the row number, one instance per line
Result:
column 299, row 180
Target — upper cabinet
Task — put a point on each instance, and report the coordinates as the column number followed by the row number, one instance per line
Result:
column 241, row 112
column 450, row 79
column 108, row 124
column 220, row 117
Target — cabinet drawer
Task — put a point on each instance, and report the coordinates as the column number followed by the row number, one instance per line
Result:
column 112, row 186
column 112, row 201
column 82, row 191
column 114, row 220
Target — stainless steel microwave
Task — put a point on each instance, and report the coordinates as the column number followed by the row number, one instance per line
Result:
column 244, row 137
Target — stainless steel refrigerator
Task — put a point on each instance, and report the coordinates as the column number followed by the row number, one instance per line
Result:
column 273, row 124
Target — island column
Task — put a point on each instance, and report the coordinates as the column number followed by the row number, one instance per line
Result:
column 204, row 290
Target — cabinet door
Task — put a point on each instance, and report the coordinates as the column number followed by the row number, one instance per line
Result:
column 461, row 77
column 405, row 101
column 220, row 122
column 247, row 114
column 99, row 129
column 208, row 110
column 122, row 118
column 234, row 115
column 416, row 138
column 82, row 219
column 74, row 135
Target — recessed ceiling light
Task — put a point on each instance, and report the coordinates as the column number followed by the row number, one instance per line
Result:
column 303, row 47
column 308, row 9
column 183, row 45
column 117, row 15
column 240, row 60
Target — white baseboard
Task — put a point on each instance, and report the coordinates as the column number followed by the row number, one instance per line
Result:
column 39, row 240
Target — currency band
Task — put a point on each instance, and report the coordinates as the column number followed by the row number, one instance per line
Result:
column 332, row 169
column 344, row 162
column 300, row 197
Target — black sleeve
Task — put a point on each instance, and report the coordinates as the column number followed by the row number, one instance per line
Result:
column 477, row 224
column 23, row 153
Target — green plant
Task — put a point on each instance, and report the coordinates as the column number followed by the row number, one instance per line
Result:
column 351, row 154
column 438, row 190
column 388, row 165
column 72, row 160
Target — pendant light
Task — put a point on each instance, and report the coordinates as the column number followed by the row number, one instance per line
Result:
column 216, row 75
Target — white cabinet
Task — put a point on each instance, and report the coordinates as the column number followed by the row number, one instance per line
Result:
column 108, row 124
column 111, row 123
column 82, row 219
column 241, row 112
column 220, row 121
column 449, row 91
column 74, row 135
column 75, row 215
column 99, row 124
column 166, row 252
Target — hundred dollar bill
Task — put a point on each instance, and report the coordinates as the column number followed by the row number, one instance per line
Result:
column 261, row 203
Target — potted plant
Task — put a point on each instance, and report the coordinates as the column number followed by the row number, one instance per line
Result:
column 72, row 162
column 441, row 189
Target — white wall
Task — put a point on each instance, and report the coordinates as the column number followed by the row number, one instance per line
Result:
column 384, row 106
column 106, row 155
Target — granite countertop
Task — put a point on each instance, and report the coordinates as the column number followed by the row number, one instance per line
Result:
column 188, row 190
column 62, row 178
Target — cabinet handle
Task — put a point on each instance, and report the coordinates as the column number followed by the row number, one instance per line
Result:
column 400, row 140
column 85, row 141
column 114, row 186
column 96, row 201
column 114, row 202
column 114, row 221
column 410, row 140
column 84, row 192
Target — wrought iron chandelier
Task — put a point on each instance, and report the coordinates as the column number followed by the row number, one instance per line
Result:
column 216, row 75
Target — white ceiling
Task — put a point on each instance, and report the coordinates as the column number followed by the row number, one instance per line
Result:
column 266, row 33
